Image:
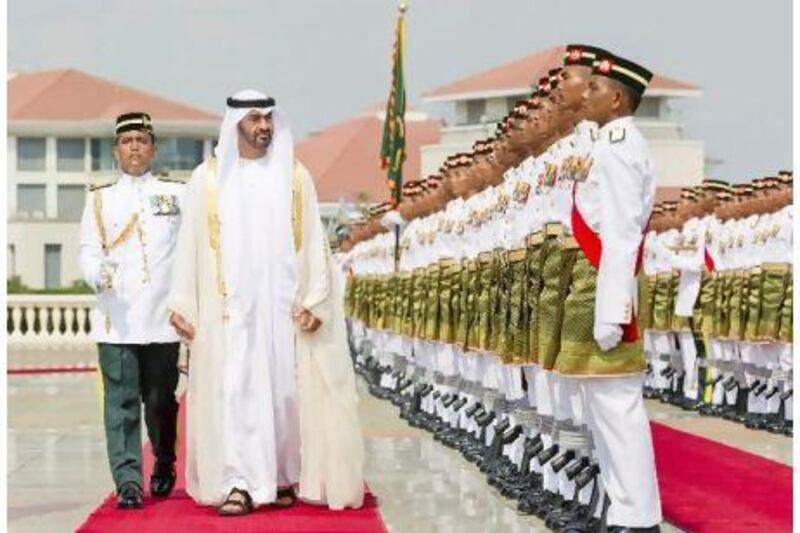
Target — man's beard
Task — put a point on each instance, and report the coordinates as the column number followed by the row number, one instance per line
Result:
column 263, row 145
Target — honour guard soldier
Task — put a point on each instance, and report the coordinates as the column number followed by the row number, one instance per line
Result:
column 128, row 236
column 604, row 353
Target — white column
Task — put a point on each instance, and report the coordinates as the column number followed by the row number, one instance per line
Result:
column 56, row 335
column 69, row 322
column 83, row 315
column 15, row 337
column 51, row 194
column 30, row 334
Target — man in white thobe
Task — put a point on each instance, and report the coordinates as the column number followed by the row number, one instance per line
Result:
column 256, row 298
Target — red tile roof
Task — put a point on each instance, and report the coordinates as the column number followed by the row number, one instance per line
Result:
column 522, row 73
column 344, row 159
column 72, row 95
column 668, row 194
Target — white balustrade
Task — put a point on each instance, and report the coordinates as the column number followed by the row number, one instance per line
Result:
column 15, row 335
column 51, row 310
column 69, row 320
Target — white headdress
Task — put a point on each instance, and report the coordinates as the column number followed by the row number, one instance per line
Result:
column 276, row 171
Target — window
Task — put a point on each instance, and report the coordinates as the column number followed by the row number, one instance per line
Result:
column 31, row 154
column 178, row 154
column 475, row 111
column 31, row 198
column 52, row 266
column 71, row 154
column 102, row 152
column 511, row 102
column 70, row 202
column 12, row 261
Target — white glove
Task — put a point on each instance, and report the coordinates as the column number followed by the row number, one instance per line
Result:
column 392, row 219
column 607, row 335
column 108, row 269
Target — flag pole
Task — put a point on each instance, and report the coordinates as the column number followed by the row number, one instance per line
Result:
column 398, row 197
column 393, row 145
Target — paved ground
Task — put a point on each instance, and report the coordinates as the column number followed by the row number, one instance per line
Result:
column 57, row 470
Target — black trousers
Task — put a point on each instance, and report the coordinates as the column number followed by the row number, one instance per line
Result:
column 134, row 374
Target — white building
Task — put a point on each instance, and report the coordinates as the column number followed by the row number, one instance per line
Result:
column 480, row 100
column 60, row 139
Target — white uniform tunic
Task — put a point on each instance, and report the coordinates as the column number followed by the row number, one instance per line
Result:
column 616, row 201
column 142, row 213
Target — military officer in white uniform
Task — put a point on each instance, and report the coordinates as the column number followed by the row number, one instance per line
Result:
column 609, row 217
column 127, row 239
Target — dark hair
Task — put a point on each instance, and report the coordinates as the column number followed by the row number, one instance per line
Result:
column 633, row 96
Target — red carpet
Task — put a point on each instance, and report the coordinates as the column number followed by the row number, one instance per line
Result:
column 179, row 513
column 709, row 487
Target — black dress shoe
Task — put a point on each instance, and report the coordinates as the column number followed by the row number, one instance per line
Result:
column 547, row 504
column 163, row 480
column 623, row 529
column 757, row 421
column 688, row 404
column 582, row 526
column 777, row 426
column 129, row 496
column 561, row 516
column 535, row 501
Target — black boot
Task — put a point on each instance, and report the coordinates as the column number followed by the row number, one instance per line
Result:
column 742, row 396
column 729, row 410
column 762, row 420
column 780, row 424
column 129, row 496
column 506, row 473
column 666, row 394
column 647, row 391
column 709, row 409
column 519, row 486
column 162, row 480
column 677, row 395
column 494, row 449
column 585, row 522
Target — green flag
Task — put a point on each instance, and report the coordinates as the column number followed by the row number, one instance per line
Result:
column 393, row 147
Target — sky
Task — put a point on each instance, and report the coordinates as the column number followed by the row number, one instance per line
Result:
column 326, row 60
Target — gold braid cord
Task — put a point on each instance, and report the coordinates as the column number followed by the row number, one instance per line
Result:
column 98, row 219
column 213, row 220
column 212, row 213
column 126, row 232
column 297, row 207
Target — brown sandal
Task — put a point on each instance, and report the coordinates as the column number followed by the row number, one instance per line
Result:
column 236, row 506
column 287, row 492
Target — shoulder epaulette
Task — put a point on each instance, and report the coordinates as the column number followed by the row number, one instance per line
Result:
column 97, row 186
column 616, row 135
